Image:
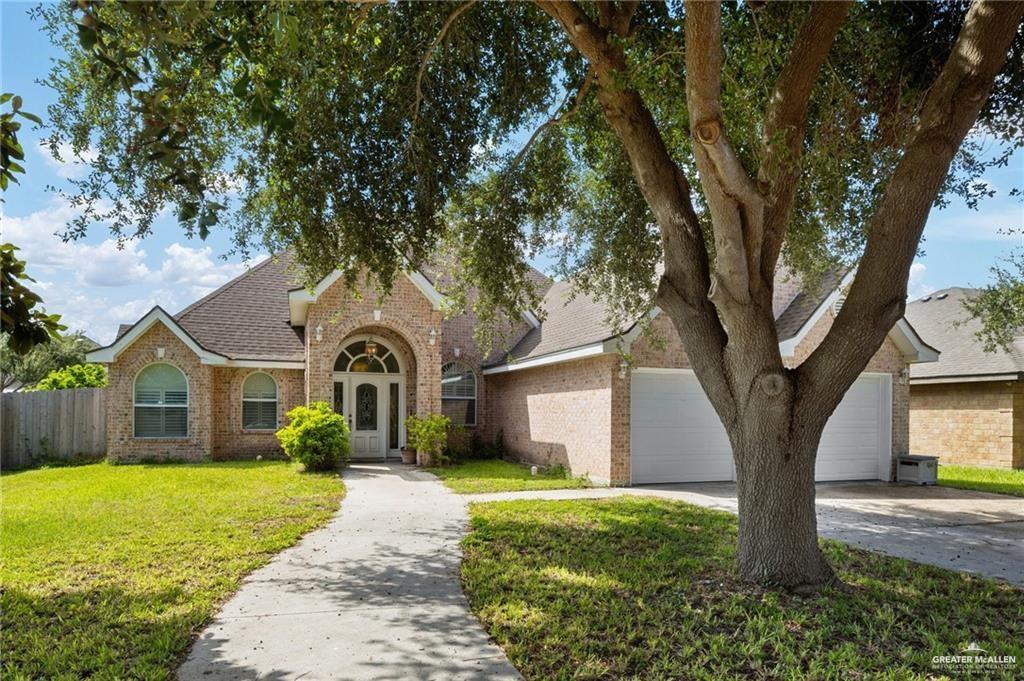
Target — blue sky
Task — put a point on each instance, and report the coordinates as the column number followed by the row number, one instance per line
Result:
column 96, row 286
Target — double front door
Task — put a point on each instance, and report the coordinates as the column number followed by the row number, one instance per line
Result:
column 372, row 405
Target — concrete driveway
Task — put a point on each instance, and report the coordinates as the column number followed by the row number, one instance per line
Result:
column 373, row 595
column 952, row 528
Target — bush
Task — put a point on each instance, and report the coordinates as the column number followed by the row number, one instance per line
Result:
column 460, row 444
column 495, row 450
column 74, row 376
column 428, row 435
column 316, row 437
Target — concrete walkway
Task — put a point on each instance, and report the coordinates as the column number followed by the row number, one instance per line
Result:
column 952, row 528
column 373, row 595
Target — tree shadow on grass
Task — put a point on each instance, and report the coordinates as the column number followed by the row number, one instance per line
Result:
column 646, row 588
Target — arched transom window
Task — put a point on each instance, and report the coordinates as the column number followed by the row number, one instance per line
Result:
column 458, row 394
column 368, row 356
column 259, row 402
column 161, row 402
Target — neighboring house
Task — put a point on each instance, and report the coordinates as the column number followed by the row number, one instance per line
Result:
column 968, row 407
column 216, row 379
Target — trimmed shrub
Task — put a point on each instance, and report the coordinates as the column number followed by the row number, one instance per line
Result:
column 316, row 437
column 429, row 435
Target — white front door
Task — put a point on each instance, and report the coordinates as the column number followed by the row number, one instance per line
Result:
column 369, row 409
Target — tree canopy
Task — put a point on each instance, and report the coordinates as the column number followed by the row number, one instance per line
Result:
column 74, row 376
column 394, row 126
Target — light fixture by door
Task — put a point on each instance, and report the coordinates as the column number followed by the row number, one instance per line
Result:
column 433, row 336
column 371, row 348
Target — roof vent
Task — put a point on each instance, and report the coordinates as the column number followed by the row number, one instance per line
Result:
column 926, row 299
column 942, row 296
column 837, row 304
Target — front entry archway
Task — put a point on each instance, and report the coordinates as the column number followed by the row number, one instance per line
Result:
column 369, row 390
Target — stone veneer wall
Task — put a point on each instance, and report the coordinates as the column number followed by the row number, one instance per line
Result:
column 406, row 313
column 230, row 440
column 122, row 445
column 558, row 414
column 973, row 424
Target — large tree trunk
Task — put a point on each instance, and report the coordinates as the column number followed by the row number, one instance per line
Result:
column 775, row 416
column 778, row 530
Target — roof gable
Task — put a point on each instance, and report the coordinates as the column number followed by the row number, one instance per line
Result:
column 155, row 316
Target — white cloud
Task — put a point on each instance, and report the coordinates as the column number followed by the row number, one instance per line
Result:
column 994, row 224
column 195, row 270
column 68, row 166
column 916, row 286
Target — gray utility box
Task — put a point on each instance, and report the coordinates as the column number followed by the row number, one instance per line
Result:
column 918, row 470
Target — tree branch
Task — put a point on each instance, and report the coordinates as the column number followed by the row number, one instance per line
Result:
column 786, row 119
column 686, row 280
column 430, row 54
column 733, row 199
column 562, row 116
column 878, row 294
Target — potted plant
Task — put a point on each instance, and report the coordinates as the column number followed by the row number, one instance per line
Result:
column 408, row 454
column 428, row 435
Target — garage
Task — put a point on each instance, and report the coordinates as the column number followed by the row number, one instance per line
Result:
column 676, row 435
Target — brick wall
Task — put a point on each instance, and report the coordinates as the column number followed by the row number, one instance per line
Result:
column 230, row 440
column 664, row 349
column 122, row 445
column 407, row 316
column 559, row 414
column 972, row 424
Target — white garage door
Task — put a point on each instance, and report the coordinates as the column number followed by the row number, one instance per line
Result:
column 677, row 437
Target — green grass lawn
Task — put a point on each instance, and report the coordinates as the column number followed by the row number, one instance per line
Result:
column 108, row 571
column 631, row 588
column 494, row 475
column 1001, row 480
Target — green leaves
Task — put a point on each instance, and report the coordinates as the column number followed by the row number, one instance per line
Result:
column 10, row 149
column 24, row 325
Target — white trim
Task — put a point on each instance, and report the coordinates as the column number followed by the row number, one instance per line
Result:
column 349, row 340
column 531, row 319
column 910, row 344
column 967, row 378
column 110, row 353
column 262, row 364
column 592, row 350
column 187, row 405
column 277, row 394
column 787, row 348
column 299, row 300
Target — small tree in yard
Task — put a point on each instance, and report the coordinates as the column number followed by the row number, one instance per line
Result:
column 74, row 376
column 679, row 153
column 316, row 437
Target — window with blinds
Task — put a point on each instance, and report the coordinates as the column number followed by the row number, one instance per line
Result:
column 259, row 402
column 161, row 402
column 458, row 394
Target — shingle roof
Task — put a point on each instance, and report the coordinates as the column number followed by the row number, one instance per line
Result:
column 806, row 302
column 573, row 322
column 936, row 317
column 248, row 317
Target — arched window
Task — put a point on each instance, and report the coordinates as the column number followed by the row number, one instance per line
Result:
column 458, row 394
column 367, row 356
column 259, row 402
column 161, row 402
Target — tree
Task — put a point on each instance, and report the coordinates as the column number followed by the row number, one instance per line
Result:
column 24, row 326
column 74, row 376
column 24, row 371
column 1000, row 305
column 713, row 140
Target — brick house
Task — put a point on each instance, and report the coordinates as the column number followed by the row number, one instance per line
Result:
column 968, row 407
column 216, row 379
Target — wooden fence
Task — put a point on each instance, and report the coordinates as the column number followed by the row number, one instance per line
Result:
column 51, row 424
